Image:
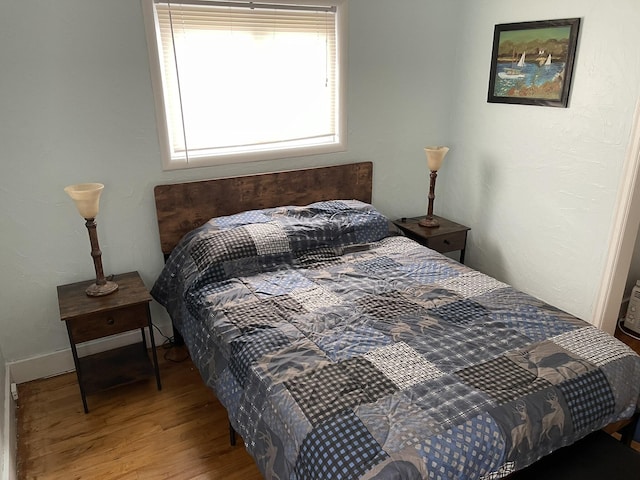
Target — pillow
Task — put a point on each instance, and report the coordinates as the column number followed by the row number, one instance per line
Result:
column 263, row 240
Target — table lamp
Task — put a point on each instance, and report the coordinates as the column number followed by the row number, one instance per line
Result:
column 435, row 156
column 87, row 198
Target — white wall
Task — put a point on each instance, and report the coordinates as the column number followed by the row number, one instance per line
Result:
column 80, row 108
column 4, row 402
column 538, row 184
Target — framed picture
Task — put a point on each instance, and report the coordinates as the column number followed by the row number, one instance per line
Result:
column 532, row 62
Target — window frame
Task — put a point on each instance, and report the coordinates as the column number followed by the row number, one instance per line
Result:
column 157, row 81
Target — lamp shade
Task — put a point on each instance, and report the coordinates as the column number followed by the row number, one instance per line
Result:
column 435, row 156
column 86, row 197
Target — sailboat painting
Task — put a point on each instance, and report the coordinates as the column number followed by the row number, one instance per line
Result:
column 511, row 73
column 532, row 62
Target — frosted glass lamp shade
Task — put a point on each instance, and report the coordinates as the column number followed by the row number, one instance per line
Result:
column 86, row 197
column 435, row 156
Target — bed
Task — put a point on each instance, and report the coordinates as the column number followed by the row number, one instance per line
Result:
column 342, row 349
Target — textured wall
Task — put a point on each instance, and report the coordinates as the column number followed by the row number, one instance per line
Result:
column 538, row 184
column 81, row 109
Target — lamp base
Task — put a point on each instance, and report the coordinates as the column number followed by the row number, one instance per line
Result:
column 95, row 290
column 429, row 222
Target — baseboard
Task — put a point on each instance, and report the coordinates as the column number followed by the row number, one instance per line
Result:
column 44, row 366
column 61, row 361
column 10, row 445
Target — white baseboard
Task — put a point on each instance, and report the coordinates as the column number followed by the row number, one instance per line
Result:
column 55, row 363
column 44, row 366
column 10, row 434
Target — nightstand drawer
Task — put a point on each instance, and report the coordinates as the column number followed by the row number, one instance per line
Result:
column 447, row 237
column 447, row 243
column 102, row 324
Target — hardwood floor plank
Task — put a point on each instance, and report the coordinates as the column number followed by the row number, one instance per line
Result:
column 131, row 432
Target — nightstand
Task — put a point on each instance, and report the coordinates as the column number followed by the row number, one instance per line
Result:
column 629, row 337
column 90, row 318
column 448, row 237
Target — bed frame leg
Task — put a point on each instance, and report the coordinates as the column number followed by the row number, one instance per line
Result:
column 232, row 435
column 629, row 430
column 178, row 340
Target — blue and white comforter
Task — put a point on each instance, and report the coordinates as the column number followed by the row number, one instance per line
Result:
column 342, row 351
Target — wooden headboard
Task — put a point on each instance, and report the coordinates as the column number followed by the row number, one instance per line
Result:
column 181, row 207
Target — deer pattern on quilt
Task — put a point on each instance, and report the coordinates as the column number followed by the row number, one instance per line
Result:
column 555, row 418
column 523, row 431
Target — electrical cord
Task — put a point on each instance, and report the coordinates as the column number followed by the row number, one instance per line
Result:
column 626, row 331
column 168, row 345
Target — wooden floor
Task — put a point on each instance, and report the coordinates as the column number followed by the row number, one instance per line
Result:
column 130, row 432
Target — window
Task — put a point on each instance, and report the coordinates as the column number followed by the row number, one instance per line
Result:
column 245, row 81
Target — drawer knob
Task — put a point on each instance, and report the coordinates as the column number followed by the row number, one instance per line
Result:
column 110, row 321
column 446, row 242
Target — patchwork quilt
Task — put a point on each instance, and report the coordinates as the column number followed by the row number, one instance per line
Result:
column 343, row 351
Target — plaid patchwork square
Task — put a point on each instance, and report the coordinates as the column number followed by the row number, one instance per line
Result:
column 502, row 379
column 252, row 315
column 403, row 365
column 204, row 292
column 429, row 272
column 507, row 298
column 594, row 345
column 213, row 273
column 533, row 322
column 447, row 402
column 209, row 250
column 223, row 246
column 397, row 246
column 452, row 348
column 323, row 392
column 338, row 449
column 238, row 243
column 370, row 228
column 460, row 312
column 469, row 450
column 333, row 206
column 250, row 409
column 589, row 398
column 268, row 238
column 287, row 305
column 244, row 218
column 618, row 376
column 316, row 298
column 471, row 284
column 251, row 347
column 240, row 267
column 278, row 283
column 388, row 305
column 550, row 361
column 377, row 266
column 274, row 261
column 318, row 257
column 351, row 341
column 325, row 234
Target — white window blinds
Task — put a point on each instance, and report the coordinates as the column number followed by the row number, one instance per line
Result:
column 241, row 77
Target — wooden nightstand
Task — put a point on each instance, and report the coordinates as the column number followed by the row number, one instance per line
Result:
column 90, row 318
column 448, row 237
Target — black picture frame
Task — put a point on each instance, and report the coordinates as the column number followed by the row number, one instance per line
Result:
column 532, row 62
